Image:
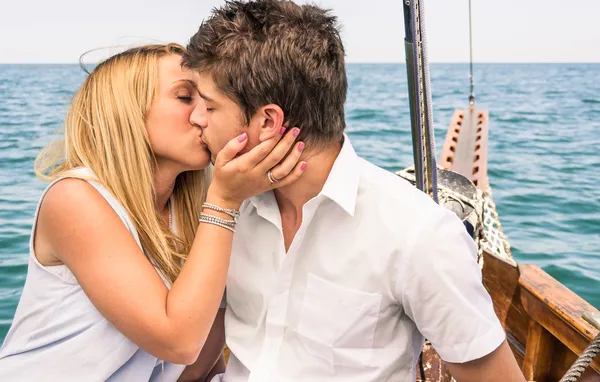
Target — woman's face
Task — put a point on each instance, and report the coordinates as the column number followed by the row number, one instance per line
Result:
column 176, row 143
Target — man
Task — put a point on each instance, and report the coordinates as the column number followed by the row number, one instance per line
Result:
column 339, row 276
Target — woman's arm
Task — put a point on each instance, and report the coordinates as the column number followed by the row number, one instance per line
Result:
column 84, row 233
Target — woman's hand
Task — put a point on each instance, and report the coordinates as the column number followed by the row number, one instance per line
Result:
column 239, row 178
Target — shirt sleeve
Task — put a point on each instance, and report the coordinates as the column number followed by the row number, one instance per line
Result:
column 440, row 287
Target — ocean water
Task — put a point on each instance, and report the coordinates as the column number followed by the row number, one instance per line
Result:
column 543, row 158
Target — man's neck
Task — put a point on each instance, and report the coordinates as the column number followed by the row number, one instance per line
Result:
column 292, row 198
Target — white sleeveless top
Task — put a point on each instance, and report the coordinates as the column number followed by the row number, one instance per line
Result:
column 58, row 335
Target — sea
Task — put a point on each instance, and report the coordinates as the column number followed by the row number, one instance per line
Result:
column 544, row 153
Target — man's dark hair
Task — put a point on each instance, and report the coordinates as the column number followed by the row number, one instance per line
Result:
column 272, row 51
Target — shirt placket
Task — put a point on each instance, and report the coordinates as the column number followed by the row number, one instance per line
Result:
column 267, row 362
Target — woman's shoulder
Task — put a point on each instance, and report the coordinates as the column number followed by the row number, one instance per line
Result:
column 72, row 207
column 71, row 195
column 78, row 193
column 65, row 204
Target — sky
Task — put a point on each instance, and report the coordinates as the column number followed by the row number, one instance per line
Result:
column 59, row 31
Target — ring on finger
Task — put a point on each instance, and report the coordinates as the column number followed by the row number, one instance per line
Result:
column 272, row 179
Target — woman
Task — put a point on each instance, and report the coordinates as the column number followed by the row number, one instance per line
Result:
column 121, row 274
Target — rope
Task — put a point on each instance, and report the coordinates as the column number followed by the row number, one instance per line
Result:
column 494, row 239
column 584, row 360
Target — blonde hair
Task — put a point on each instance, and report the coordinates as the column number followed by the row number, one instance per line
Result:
column 105, row 131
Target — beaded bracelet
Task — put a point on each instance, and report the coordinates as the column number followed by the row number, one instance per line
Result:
column 211, row 219
column 233, row 213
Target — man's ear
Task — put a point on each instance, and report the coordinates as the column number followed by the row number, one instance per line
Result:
column 270, row 120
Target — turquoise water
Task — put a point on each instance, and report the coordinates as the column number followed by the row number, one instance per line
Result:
column 544, row 154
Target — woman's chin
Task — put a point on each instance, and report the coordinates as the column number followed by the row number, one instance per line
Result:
column 204, row 164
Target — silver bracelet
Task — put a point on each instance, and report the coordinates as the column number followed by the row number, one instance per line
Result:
column 233, row 213
column 230, row 223
column 203, row 220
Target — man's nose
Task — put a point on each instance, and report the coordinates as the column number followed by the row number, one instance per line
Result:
column 198, row 116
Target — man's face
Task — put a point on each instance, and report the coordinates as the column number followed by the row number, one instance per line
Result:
column 220, row 118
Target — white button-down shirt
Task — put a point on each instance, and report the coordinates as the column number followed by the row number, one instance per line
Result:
column 374, row 267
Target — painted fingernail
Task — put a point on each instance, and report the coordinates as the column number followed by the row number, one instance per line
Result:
column 282, row 130
column 242, row 137
column 303, row 166
column 300, row 146
column 296, row 132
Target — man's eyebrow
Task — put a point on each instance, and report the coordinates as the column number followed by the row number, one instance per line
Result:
column 195, row 86
column 205, row 97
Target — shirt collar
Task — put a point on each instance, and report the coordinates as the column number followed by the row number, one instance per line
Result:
column 341, row 185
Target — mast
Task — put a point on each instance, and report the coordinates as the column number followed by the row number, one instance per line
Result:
column 472, row 87
column 419, row 92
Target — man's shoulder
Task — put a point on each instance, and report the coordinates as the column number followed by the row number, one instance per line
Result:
column 379, row 187
column 372, row 177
